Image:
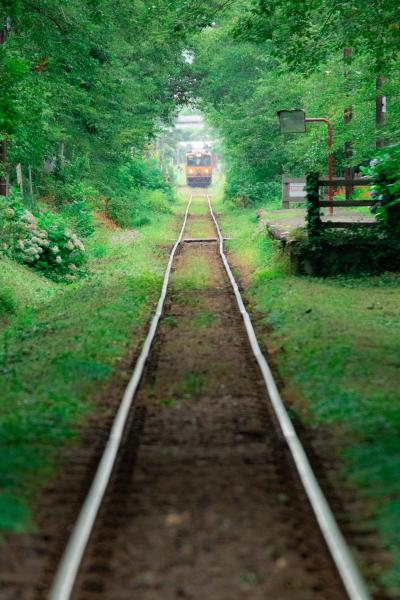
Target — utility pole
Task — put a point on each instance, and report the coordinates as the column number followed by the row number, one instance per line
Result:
column 347, row 117
column 4, row 31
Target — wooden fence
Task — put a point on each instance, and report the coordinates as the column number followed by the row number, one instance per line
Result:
column 315, row 203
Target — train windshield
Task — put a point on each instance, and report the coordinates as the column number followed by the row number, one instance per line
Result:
column 199, row 161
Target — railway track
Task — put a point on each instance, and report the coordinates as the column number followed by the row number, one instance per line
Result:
column 204, row 489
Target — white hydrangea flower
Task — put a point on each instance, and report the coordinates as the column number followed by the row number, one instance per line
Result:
column 72, row 267
column 70, row 277
column 45, row 243
column 21, row 244
column 58, row 260
column 67, row 232
column 28, row 216
column 42, row 233
column 70, row 245
column 55, row 249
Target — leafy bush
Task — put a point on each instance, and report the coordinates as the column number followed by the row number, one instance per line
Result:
column 140, row 173
column 41, row 241
column 385, row 172
column 72, row 195
column 137, row 207
column 80, row 217
column 245, row 192
column 140, row 191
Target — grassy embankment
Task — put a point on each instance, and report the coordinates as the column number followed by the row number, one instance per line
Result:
column 338, row 347
column 59, row 347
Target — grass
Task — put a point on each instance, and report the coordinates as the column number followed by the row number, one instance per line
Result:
column 202, row 320
column 192, row 384
column 59, row 347
column 20, row 287
column 340, row 352
column 193, row 274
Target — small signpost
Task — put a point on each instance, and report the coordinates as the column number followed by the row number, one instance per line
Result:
column 294, row 121
column 293, row 190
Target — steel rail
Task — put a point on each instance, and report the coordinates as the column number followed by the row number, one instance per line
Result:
column 68, row 568
column 339, row 550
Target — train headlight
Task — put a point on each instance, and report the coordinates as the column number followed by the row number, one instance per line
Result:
column 191, row 171
column 206, row 171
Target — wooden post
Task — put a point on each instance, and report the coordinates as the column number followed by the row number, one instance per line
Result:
column 347, row 117
column 30, row 180
column 380, row 110
column 313, row 216
column 20, row 180
column 61, row 150
column 3, row 161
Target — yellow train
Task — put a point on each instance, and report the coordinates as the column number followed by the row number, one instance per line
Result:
column 199, row 169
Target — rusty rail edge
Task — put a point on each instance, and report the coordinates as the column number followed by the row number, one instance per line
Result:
column 345, row 564
column 68, row 568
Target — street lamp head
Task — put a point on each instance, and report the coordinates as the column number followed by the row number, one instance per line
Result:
column 292, row 121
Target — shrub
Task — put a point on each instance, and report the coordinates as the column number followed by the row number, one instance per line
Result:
column 41, row 241
column 385, row 172
column 137, row 207
column 79, row 217
column 245, row 193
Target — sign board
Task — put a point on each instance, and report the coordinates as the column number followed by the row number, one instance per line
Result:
column 293, row 190
column 296, row 190
column 292, row 121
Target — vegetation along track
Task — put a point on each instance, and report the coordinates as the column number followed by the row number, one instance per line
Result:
column 204, row 497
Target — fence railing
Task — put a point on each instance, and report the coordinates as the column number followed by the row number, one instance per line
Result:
column 315, row 225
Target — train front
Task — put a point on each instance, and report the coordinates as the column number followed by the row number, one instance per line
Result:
column 198, row 169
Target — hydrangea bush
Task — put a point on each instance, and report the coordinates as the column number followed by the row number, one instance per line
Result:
column 385, row 173
column 41, row 241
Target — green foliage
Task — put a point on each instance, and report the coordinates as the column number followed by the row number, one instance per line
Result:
column 313, row 216
column 355, row 251
column 80, row 217
column 385, row 172
column 140, row 191
column 40, row 240
column 265, row 56
column 84, row 85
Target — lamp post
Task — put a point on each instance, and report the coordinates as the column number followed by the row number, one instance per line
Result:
column 294, row 121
